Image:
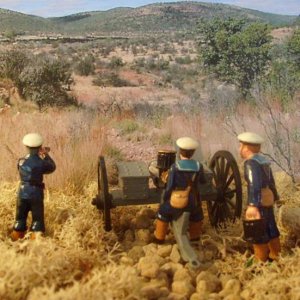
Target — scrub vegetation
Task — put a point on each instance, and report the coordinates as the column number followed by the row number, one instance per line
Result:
column 127, row 98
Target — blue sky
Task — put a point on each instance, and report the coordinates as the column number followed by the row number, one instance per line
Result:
column 49, row 8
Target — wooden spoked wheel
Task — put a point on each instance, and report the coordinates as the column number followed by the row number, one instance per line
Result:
column 103, row 195
column 227, row 180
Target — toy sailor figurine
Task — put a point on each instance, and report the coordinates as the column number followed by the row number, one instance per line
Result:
column 31, row 168
column 261, row 196
column 181, row 192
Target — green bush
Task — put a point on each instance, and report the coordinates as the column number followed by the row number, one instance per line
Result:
column 236, row 53
column 85, row 66
column 116, row 62
column 183, row 60
column 41, row 79
column 113, row 152
column 45, row 82
column 108, row 78
column 127, row 126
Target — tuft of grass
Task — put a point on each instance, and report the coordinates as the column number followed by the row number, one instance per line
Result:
column 165, row 139
column 113, row 152
column 127, row 126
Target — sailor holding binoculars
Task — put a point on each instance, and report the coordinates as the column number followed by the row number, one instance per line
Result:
column 31, row 168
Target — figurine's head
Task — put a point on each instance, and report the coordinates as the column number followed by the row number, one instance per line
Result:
column 33, row 141
column 187, row 147
column 250, row 144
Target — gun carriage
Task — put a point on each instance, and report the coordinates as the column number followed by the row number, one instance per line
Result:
column 222, row 192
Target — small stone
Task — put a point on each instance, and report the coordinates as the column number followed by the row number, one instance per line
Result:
column 164, row 292
column 213, row 269
column 208, row 255
column 161, row 280
column 143, row 235
column 224, row 278
column 174, row 296
column 149, row 270
column 150, row 292
column 232, row 297
column 246, row 294
column 150, row 249
column 170, row 268
column 148, row 267
column 175, row 255
column 164, row 251
column 128, row 236
column 125, row 221
column 148, row 212
column 214, row 296
column 197, row 296
column 201, row 287
column 182, row 274
column 142, row 222
column 135, row 253
column 125, row 260
column 232, row 287
column 183, row 287
column 132, row 224
column 213, row 283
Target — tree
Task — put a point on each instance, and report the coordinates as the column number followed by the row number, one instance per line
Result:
column 86, row 66
column 39, row 78
column 12, row 63
column 235, row 52
column 283, row 80
column 116, row 62
column 45, row 82
column 294, row 48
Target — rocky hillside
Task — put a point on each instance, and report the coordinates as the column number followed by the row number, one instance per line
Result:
column 153, row 18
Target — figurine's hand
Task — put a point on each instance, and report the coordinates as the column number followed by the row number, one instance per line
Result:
column 44, row 150
column 252, row 213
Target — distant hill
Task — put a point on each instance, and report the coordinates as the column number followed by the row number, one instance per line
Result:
column 18, row 22
column 153, row 18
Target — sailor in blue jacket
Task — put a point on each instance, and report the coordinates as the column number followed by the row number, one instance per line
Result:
column 31, row 168
column 182, row 173
column 262, row 194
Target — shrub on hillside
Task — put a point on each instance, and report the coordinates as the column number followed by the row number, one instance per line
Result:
column 116, row 62
column 12, row 63
column 236, row 53
column 183, row 60
column 38, row 78
column 109, row 78
column 45, row 82
column 85, row 66
column 127, row 126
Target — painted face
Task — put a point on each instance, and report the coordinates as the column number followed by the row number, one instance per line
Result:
column 242, row 150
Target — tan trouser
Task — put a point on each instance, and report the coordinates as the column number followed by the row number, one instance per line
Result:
column 275, row 248
column 195, row 230
column 161, row 230
column 270, row 250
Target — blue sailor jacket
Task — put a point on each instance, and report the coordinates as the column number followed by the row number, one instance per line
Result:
column 181, row 173
column 31, row 169
column 258, row 175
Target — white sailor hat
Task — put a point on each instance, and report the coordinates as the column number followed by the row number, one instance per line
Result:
column 250, row 138
column 32, row 140
column 187, row 143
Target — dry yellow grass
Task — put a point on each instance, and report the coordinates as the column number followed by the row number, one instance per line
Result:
column 76, row 139
column 77, row 259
